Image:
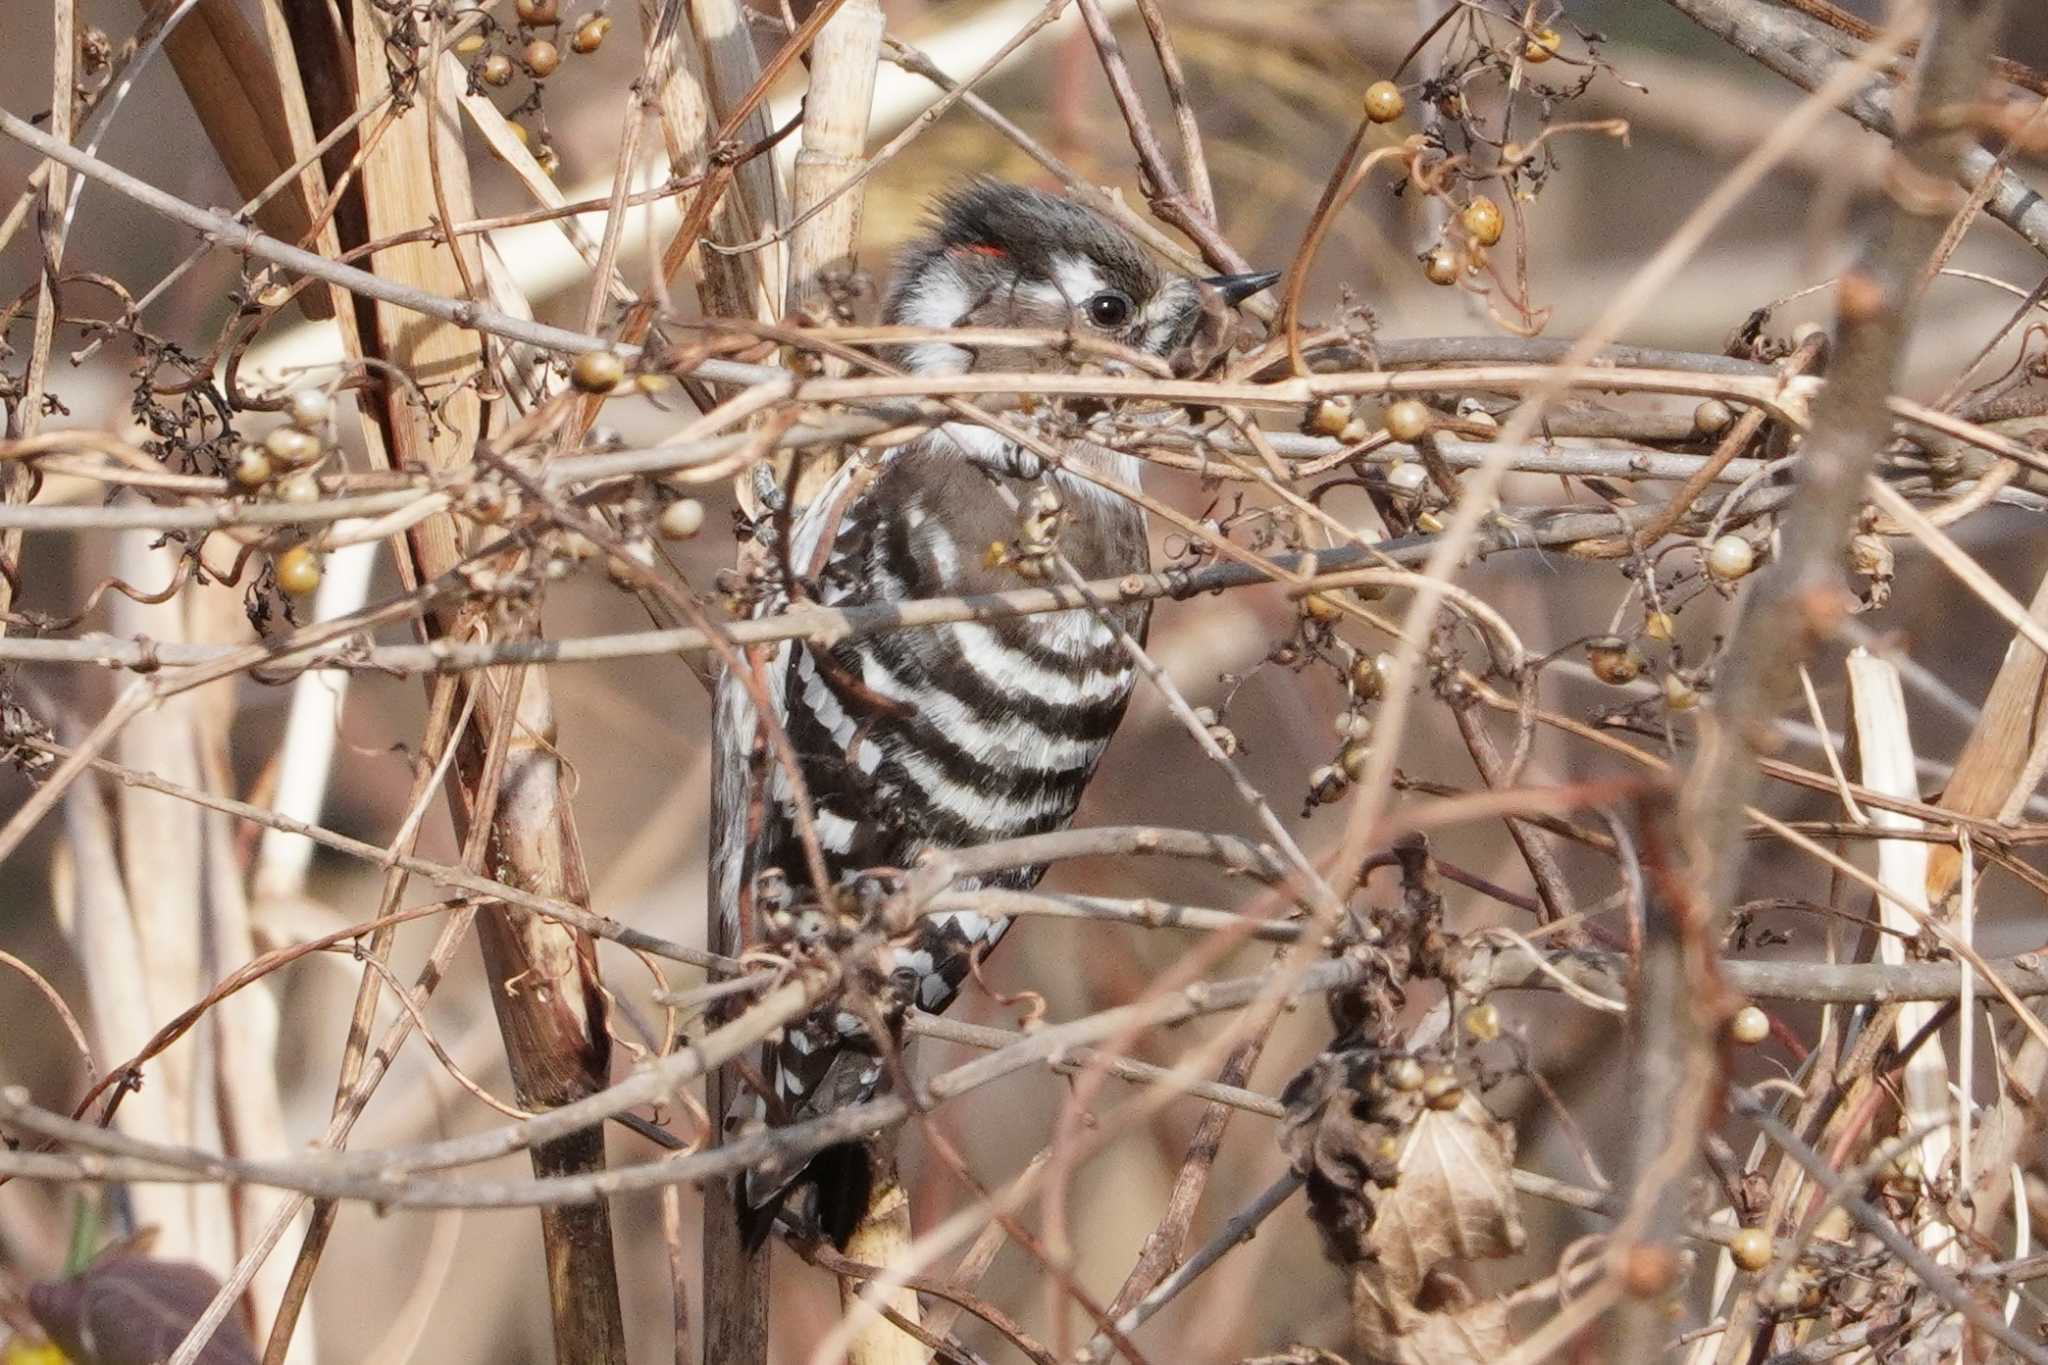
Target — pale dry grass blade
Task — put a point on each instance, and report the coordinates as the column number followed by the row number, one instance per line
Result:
column 1884, row 746
column 162, row 862
column 305, row 763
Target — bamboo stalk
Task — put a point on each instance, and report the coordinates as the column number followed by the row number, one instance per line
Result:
column 883, row 1239
column 543, row 975
column 259, row 127
column 732, row 67
column 726, row 285
column 825, row 209
column 844, row 60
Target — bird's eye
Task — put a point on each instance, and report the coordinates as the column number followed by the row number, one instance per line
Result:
column 1109, row 309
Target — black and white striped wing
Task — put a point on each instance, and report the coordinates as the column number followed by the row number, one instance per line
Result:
column 938, row 737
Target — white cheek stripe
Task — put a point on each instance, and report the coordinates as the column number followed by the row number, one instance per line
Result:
column 1077, row 279
column 941, row 300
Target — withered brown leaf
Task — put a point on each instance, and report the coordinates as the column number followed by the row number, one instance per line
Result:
column 1449, row 1326
column 1453, row 1200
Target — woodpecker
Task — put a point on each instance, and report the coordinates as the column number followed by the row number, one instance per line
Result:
column 955, row 735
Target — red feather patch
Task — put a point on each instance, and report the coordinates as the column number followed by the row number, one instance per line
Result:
column 983, row 249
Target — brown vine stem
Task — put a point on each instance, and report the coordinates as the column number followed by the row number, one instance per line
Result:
column 1791, row 608
column 1778, row 40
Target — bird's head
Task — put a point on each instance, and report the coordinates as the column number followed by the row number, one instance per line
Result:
column 1001, row 255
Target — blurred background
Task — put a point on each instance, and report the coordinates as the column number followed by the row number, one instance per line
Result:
column 1277, row 88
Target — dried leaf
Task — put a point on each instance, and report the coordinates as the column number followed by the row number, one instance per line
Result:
column 1399, row 1188
column 1342, row 1134
column 1450, row 1327
column 1453, row 1200
column 134, row 1310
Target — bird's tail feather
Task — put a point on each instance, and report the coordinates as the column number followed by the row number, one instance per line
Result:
column 840, row 1181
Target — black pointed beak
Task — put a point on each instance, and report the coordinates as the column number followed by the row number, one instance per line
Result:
column 1235, row 289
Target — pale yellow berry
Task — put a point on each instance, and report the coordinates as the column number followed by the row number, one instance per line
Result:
column 682, row 519
column 1429, row 523
column 1730, row 557
column 589, row 35
column 310, row 409
column 1406, row 420
column 539, row 11
column 1750, row 1249
column 1404, row 477
column 496, row 70
column 298, row 571
column 597, row 371
column 1542, row 45
column 1712, row 417
column 1384, row 102
column 1482, row 1021
column 1679, row 694
column 252, row 467
column 1441, row 266
column 300, row 489
column 1482, row 219
column 1404, row 1074
column 542, row 57
column 1660, row 626
column 1329, row 417
column 1750, row 1026
column 289, row 446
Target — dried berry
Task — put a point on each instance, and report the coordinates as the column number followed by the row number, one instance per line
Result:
column 1384, row 102
column 1482, row 220
column 1750, row 1249
column 310, row 410
column 1613, row 661
column 1730, row 557
column 1750, row 1026
column 1406, row 420
column 290, row 447
column 298, row 571
column 597, row 371
column 682, row 519
column 252, row 467
column 542, row 58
